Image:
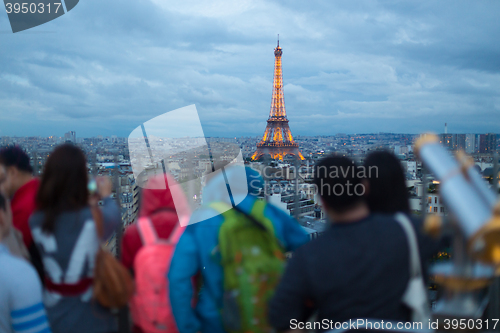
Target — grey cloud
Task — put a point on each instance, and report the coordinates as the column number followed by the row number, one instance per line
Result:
column 348, row 67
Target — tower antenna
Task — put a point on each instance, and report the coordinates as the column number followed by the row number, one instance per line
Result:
column 278, row 39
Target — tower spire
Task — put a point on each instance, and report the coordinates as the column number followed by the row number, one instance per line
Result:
column 278, row 40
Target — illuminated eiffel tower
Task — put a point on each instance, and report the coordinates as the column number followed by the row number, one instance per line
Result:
column 277, row 140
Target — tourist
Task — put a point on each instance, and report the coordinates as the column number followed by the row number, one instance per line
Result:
column 163, row 205
column 358, row 268
column 199, row 250
column 386, row 190
column 21, row 307
column 64, row 231
column 19, row 184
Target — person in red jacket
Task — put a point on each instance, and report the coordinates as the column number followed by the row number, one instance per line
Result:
column 19, row 184
column 164, row 204
column 157, row 203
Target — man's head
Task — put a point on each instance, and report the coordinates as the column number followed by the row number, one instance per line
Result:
column 338, row 182
column 15, row 169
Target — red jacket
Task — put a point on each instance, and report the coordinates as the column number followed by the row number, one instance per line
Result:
column 158, row 205
column 23, row 205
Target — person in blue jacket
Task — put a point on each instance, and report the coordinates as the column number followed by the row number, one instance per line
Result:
column 195, row 250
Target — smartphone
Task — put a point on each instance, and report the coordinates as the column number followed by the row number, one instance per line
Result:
column 92, row 186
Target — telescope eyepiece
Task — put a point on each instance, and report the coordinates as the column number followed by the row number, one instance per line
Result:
column 424, row 140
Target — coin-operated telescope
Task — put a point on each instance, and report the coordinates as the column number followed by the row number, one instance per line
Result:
column 474, row 223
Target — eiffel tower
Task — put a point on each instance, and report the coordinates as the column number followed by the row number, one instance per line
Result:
column 277, row 140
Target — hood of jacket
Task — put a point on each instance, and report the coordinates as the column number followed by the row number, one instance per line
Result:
column 241, row 182
column 160, row 204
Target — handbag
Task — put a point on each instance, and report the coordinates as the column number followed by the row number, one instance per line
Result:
column 113, row 284
column 415, row 295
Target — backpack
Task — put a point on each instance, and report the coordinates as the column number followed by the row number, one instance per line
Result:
column 253, row 261
column 150, row 305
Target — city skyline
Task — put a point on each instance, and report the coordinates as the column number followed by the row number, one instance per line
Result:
column 348, row 68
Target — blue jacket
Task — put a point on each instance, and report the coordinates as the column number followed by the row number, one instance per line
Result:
column 195, row 251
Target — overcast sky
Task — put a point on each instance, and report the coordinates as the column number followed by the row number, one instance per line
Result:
column 348, row 66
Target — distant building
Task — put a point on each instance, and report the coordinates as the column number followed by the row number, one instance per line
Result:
column 70, row 137
column 129, row 198
column 435, row 204
column 286, row 203
column 477, row 143
column 446, row 140
column 400, row 150
column 410, row 167
column 458, row 141
column 453, row 141
column 487, row 143
column 470, row 143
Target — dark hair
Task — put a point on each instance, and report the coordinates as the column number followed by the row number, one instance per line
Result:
column 3, row 203
column 15, row 156
column 63, row 185
column 337, row 180
column 387, row 191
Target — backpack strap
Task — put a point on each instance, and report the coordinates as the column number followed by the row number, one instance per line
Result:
column 222, row 207
column 147, row 231
column 257, row 210
column 175, row 234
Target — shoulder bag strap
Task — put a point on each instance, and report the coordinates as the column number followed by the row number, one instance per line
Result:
column 404, row 221
column 97, row 216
